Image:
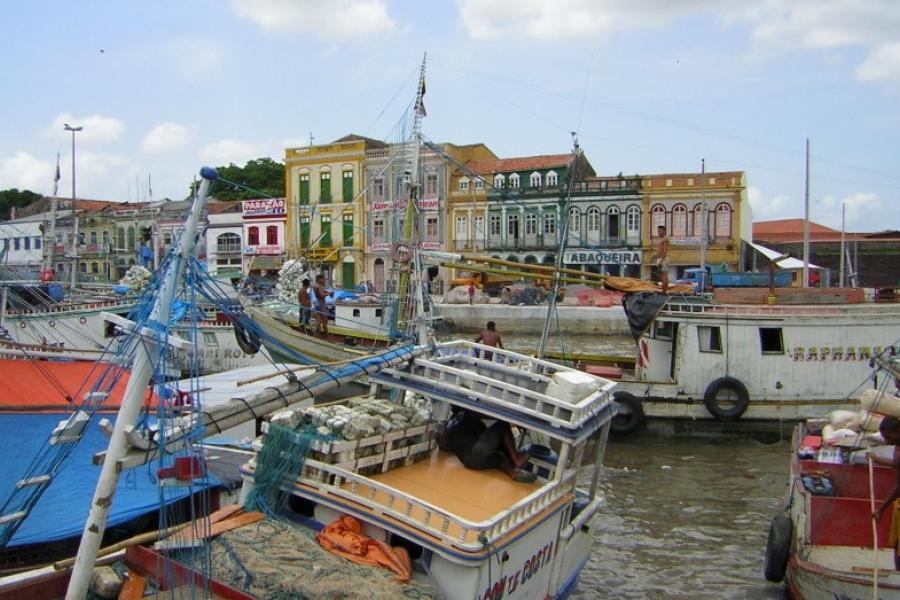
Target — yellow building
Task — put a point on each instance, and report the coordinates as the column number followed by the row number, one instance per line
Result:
column 325, row 190
column 676, row 201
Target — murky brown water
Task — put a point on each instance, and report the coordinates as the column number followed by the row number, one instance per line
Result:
column 685, row 518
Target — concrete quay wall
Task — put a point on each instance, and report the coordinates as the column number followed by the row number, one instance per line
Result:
column 573, row 320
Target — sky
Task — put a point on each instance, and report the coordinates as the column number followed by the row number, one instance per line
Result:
column 651, row 86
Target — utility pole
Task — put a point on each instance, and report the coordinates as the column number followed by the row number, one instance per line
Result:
column 806, row 224
column 704, row 217
column 843, row 228
column 74, row 130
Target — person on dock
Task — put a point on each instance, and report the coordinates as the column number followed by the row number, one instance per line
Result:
column 662, row 257
column 305, row 306
column 489, row 337
column 890, row 431
column 321, row 308
column 481, row 443
column 471, row 293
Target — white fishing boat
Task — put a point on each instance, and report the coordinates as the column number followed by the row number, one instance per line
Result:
column 753, row 363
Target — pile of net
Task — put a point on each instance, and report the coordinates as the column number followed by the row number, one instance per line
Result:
column 136, row 278
column 276, row 560
column 290, row 280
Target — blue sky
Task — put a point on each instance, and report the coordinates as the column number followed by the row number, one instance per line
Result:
column 652, row 86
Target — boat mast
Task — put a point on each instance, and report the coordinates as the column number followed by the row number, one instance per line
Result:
column 806, row 224
column 563, row 235
column 50, row 235
column 843, row 228
column 141, row 371
column 704, row 225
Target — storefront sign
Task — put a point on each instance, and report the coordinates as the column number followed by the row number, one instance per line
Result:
column 384, row 246
column 381, row 205
column 260, row 250
column 264, row 207
column 602, row 257
column 427, row 204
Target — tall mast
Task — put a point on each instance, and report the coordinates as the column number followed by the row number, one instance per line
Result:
column 843, row 229
column 50, row 235
column 806, row 223
column 133, row 398
column 704, row 225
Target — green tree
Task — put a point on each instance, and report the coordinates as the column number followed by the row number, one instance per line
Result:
column 13, row 197
column 264, row 177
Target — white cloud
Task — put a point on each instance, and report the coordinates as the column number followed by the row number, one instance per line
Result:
column 770, row 208
column 334, row 20
column 166, row 137
column 26, row 172
column 193, row 56
column 97, row 129
column 881, row 65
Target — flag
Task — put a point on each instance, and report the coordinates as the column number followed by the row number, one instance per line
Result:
column 57, row 176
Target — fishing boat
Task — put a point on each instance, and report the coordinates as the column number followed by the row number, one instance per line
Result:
column 825, row 544
column 747, row 365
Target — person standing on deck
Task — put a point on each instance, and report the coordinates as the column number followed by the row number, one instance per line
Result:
column 305, row 306
column 490, row 337
column 662, row 257
column 321, row 308
column 471, row 293
column 890, row 431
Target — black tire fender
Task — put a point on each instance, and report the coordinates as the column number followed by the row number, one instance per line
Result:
column 710, row 399
column 778, row 547
column 248, row 341
column 632, row 418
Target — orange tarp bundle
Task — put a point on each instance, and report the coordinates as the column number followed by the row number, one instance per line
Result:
column 631, row 284
column 345, row 538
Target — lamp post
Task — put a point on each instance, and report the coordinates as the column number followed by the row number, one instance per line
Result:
column 67, row 127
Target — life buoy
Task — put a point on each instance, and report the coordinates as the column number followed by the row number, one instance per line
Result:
column 248, row 341
column 401, row 252
column 52, row 323
column 630, row 417
column 726, row 398
column 778, row 547
column 22, row 324
column 82, row 320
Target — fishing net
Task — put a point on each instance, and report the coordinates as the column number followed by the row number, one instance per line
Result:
column 281, row 457
column 277, row 560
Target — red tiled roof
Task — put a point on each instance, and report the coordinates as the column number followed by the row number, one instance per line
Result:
column 523, row 163
column 223, row 206
column 787, row 226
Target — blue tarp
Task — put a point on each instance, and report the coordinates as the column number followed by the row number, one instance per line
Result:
column 63, row 509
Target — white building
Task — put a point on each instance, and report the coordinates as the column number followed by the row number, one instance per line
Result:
column 21, row 241
column 224, row 240
column 263, row 236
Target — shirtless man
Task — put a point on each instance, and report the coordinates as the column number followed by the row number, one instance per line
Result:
column 490, row 337
column 321, row 309
column 890, row 431
column 662, row 257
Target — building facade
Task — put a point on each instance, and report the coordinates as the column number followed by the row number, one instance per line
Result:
column 263, row 235
column 680, row 201
column 224, row 240
column 325, row 189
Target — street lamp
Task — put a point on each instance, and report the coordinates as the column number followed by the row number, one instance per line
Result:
column 67, row 127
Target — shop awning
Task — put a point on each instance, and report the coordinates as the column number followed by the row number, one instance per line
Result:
column 270, row 263
column 789, row 264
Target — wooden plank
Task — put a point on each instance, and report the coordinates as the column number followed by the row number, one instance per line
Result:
column 133, row 588
column 190, row 535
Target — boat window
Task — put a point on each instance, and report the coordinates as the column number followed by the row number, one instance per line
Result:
column 377, row 312
column 710, row 338
column 770, row 340
column 664, row 330
column 355, row 312
column 209, row 338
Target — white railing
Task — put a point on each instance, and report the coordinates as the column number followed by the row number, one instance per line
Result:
column 763, row 310
column 335, row 482
column 70, row 308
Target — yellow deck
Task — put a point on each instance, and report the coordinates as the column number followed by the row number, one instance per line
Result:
column 444, row 482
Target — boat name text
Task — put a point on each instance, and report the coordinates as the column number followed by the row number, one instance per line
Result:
column 834, row 353
column 507, row 584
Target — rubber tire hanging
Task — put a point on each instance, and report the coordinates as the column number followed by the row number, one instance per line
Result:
column 778, row 548
column 632, row 419
column 248, row 340
column 711, row 399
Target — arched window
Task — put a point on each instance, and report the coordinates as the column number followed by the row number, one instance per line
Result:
column 612, row 223
column 633, row 220
column 593, row 219
column 499, row 180
column 549, row 223
column 697, row 230
column 463, row 184
column 679, row 221
column 657, row 218
column 723, row 221
column 93, row 237
column 228, row 242
column 253, row 236
column 530, row 224
column 552, row 178
column 514, row 180
column 535, row 179
column 574, row 222
column 272, row 235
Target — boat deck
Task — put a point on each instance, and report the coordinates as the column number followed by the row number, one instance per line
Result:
column 442, row 481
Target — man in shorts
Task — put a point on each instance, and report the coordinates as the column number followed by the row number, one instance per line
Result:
column 305, row 306
column 662, row 257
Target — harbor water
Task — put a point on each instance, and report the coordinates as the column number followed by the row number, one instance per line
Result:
column 685, row 518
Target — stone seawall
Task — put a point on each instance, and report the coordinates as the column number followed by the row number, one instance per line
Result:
column 573, row 320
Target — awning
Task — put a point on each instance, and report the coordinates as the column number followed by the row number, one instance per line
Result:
column 270, row 263
column 789, row 264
